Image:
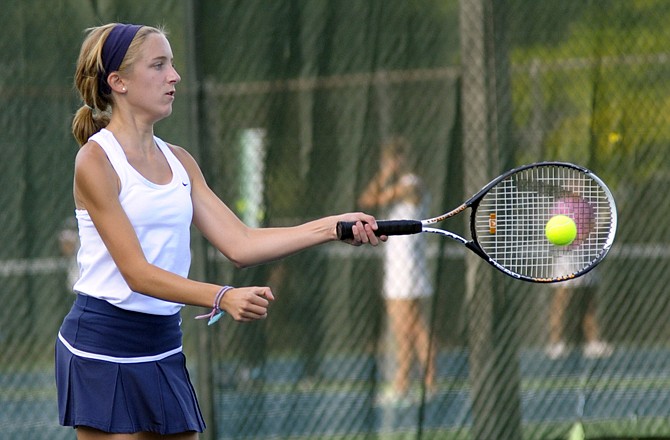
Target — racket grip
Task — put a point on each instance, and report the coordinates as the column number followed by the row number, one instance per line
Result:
column 384, row 227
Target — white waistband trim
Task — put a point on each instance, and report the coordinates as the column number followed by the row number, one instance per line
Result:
column 115, row 359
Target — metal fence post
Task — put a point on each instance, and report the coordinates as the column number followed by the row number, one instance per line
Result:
column 485, row 103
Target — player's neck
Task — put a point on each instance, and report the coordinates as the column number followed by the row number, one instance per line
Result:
column 136, row 137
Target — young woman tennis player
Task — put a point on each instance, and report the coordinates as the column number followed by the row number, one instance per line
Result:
column 120, row 370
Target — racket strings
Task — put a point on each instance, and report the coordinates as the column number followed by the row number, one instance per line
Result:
column 511, row 218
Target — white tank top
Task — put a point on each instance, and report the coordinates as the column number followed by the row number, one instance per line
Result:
column 161, row 216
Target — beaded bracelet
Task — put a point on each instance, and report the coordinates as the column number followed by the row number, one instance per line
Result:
column 216, row 312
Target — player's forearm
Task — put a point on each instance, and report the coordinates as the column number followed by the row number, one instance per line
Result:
column 268, row 244
column 154, row 281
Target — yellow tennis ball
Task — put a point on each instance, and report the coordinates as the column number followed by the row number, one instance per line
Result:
column 561, row 230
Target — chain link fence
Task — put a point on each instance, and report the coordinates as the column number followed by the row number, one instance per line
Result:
column 286, row 104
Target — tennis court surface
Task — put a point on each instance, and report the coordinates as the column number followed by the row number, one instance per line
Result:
column 628, row 391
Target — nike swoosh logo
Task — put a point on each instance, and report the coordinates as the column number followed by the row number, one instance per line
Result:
column 185, row 184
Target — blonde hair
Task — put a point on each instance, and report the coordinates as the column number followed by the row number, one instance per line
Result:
column 398, row 148
column 95, row 113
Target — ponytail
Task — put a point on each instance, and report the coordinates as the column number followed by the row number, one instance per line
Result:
column 87, row 122
column 94, row 115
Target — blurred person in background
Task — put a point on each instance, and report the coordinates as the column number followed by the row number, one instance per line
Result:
column 398, row 191
column 68, row 242
column 574, row 302
column 574, row 309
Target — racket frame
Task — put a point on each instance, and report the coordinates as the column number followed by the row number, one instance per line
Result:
column 404, row 227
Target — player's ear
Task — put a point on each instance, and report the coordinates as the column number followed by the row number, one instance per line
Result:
column 116, row 82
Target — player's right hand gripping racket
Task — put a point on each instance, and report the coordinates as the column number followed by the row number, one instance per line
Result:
column 508, row 218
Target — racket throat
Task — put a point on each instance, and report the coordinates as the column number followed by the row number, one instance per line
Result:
column 476, row 249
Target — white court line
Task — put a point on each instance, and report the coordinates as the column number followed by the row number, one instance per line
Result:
column 40, row 266
column 33, row 266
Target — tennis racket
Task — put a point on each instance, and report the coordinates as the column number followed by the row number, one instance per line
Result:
column 508, row 218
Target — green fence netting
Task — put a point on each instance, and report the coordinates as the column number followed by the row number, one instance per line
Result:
column 285, row 104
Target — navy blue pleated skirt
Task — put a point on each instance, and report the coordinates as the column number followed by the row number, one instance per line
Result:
column 123, row 372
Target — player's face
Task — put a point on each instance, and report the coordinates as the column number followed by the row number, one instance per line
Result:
column 152, row 79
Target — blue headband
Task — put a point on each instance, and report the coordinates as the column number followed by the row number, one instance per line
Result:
column 114, row 50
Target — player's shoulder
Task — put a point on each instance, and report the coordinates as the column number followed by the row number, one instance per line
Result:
column 93, row 169
column 183, row 155
column 90, row 156
column 178, row 151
